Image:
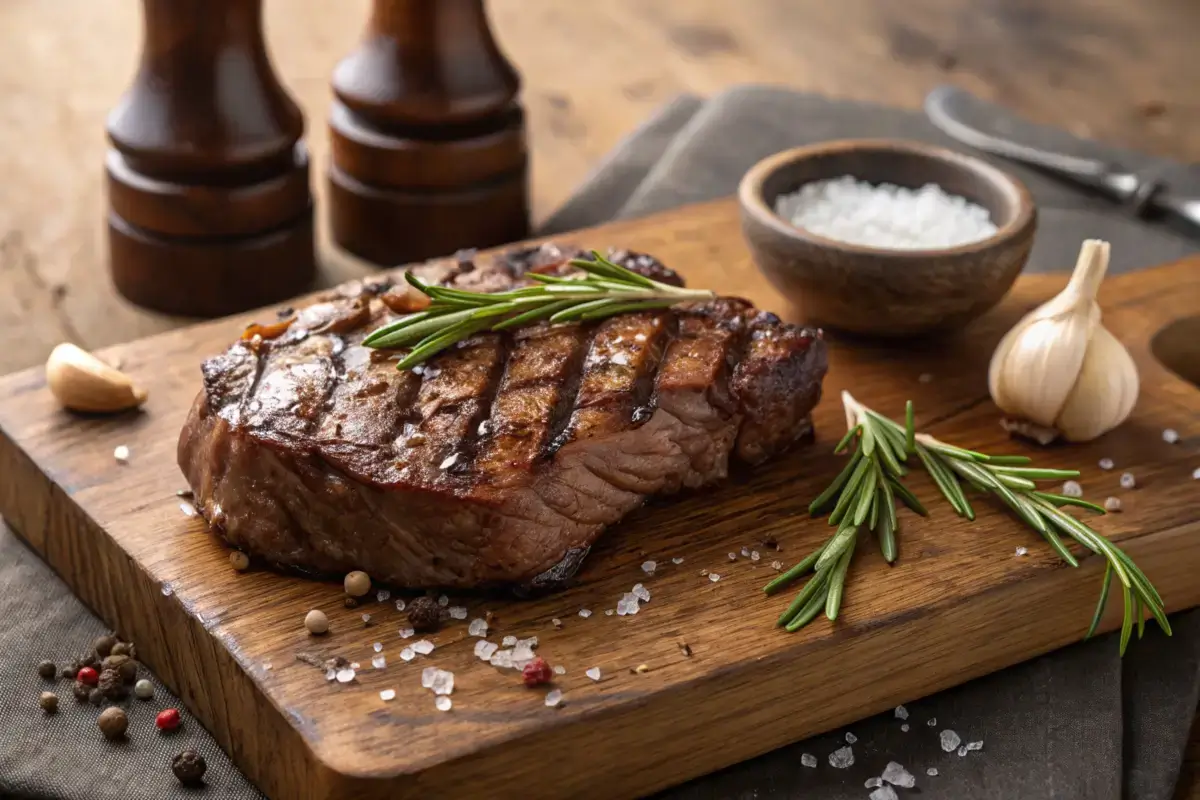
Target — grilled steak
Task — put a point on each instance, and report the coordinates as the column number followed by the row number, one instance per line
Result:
column 499, row 461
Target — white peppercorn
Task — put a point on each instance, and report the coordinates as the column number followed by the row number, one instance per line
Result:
column 357, row 583
column 144, row 689
column 316, row 622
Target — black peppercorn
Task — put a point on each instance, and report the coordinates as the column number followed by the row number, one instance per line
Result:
column 81, row 691
column 47, row 670
column 112, row 686
column 189, row 767
column 71, row 669
column 129, row 671
column 104, row 645
column 96, row 697
column 124, row 649
column 424, row 614
column 113, row 662
column 90, row 660
column 350, row 602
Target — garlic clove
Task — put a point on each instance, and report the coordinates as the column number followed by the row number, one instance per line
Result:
column 82, row 382
column 1104, row 393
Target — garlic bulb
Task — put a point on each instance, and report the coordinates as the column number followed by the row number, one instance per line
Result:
column 1060, row 368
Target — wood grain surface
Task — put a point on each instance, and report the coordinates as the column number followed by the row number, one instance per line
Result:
column 959, row 604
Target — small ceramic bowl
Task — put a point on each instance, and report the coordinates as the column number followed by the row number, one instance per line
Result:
column 885, row 292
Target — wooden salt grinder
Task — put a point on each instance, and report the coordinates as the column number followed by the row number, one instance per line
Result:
column 427, row 136
column 209, row 204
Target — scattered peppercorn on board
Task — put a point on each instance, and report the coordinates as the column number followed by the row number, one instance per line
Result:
column 699, row 678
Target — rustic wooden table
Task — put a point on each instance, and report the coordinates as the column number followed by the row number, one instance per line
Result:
column 1117, row 71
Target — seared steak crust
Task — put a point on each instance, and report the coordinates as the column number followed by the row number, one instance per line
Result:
column 501, row 460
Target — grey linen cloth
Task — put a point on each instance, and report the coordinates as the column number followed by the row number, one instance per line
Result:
column 1076, row 724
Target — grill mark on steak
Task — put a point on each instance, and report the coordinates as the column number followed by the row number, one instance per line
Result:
column 563, row 411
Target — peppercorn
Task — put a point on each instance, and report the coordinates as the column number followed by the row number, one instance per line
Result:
column 71, row 669
column 424, row 614
column 537, row 672
column 104, row 645
column 113, row 723
column 239, row 560
column 124, row 649
column 144, row 689
column 357, row 583
column 96, row 697
column 167, row 720
column 189, row 767
column 350, row 602
column 88, row 675
column 316, row 622
column 129, row 671
column 112, row 686
column 47, row 670
column 81, row 691
column 49, row 702
column 112, row 662
column 90, row 660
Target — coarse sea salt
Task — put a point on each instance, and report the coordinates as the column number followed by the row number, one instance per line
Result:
column 424, row 647
column 508, row 641
column 1170, row 436
column 383, row 595
column 443, row 703
column 387, row 694
column 897, row 775
column 885, row 215
column 1072, row 489
column 593, row 673
column 677, row 560
column 640, row 592
column 377, row 647
column 407, row 654
column 809, row 760
column 443, row 601
column 458, row 612
column 850, row 738
column 950, row 740
column 554, row 698
column 379, row 662
column 1106, row 463
column 400, row 604
column 1021, row 551
column 1112, row 504
column 932, row 772
column 883, row 793
column 121, row 454
column 585, row 612
column 484, row 649
column 1127, row 480
column 904, row 728
column 1196, row 474
column 842, row 758
column 901, row 712
column 407, row 633
column 345, row 675
column 478, row 627
column 714, row 577
column 559, row 669
column 648, row 567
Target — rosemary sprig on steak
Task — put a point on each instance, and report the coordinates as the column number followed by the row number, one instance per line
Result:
column 603, row 290
column 864, row 490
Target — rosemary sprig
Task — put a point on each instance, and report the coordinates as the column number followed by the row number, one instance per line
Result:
column 863, row 495
column 603, row 290
column 883, row 445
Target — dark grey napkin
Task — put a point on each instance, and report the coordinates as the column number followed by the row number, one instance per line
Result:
column 1078, row 723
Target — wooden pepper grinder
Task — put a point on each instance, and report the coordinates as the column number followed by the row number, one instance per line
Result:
column 427, row 136
column 209, row 204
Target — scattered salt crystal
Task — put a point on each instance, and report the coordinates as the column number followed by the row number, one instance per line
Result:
column 458, row 612
column 754, row 556
column 345, row 675
column 962, row 751
column 1112, row 504
column 449, row 461
column 850, row 738
column 1127, row 480
column 777, row 565
column 1106, row 463
column 1022, row 551
column 901, row 712
column 932, row 722
column 1196, row 474
column 377, row 647
column 442, row 703
column 883, row 793
column 648, row 567
column 904, row 728
column 974, row 745
column 950, row 740
column 585, row 612
column 842, row 758
column 593, row 673
column 354, row 665
column 443, row 601
column 532, row 641
column 427, row 676
column 366, row 618
column 522, row 652
column 167, row 590
column 407, row 654
column 478, row 627
column 1170, row 436
column 628, row 604
column 424, row 647
column 508, row 641
column 554, row 698
column 406, row 633
column 932, row 772
column 187, row 508
column 897, row 775
column 1072, row 489
column 924, row 377
column 443, row 682
column 502, row 659
column 714, row 577
column 379, row 662
column 677, row 560
column 745, row 552
column 330, row 674
column 885, row 215
column 383, row 595
column 809, row 760
column 387, row 694
column 121, row 454
column 733, row 556
column 559, row 669
column 641, row 593
column 873, row 783
column 400, row 604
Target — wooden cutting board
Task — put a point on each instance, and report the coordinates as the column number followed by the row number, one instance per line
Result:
column 957, row 605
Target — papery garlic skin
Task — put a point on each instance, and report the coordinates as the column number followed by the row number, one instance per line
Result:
column 1059, row 367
